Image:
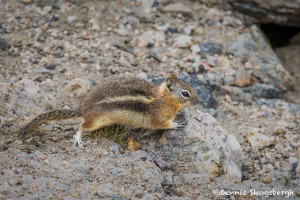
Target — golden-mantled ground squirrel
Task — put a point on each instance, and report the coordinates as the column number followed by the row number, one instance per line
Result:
column 127, row 101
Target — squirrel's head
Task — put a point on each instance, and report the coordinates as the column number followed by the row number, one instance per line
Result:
column 183, row 92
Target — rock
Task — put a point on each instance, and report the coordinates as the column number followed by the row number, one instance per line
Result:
column 297, row 192
column 43, row 3
column 243, row 79
column 267, row 179
column 205, row 146
column 27, row 98
column 293, row 162
column 210, row 48
column 212, row 60
column 269, row 168
column 144, row 11
column 195, row 48
column 46, row 10
column 270, row 11
column 171, row 30
column 133, row 145
column 267, row 68
column 248, row 65
column 279, row 131
column 106, row 179
column 264, row 91
column 11, row 182
column 177, row 8
column 161, row 162
column 72, row 19
column 286, row 154
column 151, row 37
column 54, row 139
column 94, row 25
column 183, row 41
column 122, row 32
column 43, row 157
column 27, row 1
column 289, row 56
column 189, row 29
column 3, row 42
column 259, row 141
column 205, row 136
column 78, row 86
column 278, row 103
column 50, row 67
column 243, row 46
column 229, row 80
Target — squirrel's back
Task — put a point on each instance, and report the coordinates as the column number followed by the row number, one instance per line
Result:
column 131, row 93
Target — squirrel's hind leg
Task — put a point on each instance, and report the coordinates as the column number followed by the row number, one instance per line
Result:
column 91, row 122
column 78, row 139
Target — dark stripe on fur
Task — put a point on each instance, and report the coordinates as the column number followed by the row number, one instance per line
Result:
column 136, row 106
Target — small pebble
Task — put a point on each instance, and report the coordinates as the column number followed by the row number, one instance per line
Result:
column 278, row 156
column 54, row 139
column 248, row 65
column 43, row 157
column 277, row 165
column 286, row 154
column 71, row 19
column 267, row 179
column 298, row 192
column 50, row 67
column 212, row 178
column 11, row 182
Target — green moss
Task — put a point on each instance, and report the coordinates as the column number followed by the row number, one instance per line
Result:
column 115, row 133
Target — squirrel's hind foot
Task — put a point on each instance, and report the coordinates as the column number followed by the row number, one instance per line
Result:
column 78, row 139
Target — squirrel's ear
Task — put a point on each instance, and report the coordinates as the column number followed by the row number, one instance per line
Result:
column 170, row 82
column 173, row 76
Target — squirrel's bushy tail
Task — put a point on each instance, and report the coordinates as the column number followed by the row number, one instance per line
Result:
column 46, row 117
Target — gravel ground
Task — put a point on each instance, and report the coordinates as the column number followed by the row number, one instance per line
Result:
column 53, row 52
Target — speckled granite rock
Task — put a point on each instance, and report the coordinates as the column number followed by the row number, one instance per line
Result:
column 270, row 11
column 205, row 146
column 80, row 177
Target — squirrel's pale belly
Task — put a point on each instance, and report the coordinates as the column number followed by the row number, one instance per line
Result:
column 123, row 117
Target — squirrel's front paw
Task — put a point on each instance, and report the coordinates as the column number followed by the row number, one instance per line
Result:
column 178, row 124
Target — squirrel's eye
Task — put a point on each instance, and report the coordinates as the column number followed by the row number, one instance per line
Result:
column 185, row 94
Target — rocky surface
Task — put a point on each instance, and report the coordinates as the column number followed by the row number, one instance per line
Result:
column 290, row 59
column 204, row 145
column 56, row 51
column 264, row 11
column 271, row 11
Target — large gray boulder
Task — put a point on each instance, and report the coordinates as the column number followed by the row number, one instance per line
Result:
column 203, row 146
column 264, row 11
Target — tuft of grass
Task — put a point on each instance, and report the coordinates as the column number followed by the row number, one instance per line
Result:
column 115, row 133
